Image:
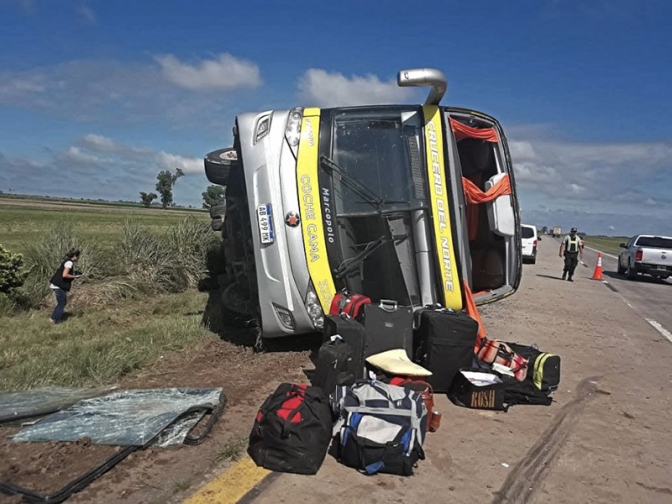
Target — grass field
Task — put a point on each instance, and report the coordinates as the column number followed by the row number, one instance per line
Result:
column 96, row 346
column 119, row 321
column 24, row 220
column 607, row 244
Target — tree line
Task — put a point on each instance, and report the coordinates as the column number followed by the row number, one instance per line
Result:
column 214, row 195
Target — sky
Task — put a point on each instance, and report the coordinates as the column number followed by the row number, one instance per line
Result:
column 96, row 97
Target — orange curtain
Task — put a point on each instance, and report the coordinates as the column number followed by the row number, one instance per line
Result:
column 461, row 131
column 472, row 311
column 475, row 196
column 472, row 211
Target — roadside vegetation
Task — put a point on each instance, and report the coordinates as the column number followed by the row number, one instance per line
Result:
column 138, row 299
column 96, row 345
column 607, row 244
column 24, row 221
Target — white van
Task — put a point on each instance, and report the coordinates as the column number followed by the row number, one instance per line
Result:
column 529, row 239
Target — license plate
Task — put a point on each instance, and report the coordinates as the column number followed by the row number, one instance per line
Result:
column 662, row 268
column 265, row 219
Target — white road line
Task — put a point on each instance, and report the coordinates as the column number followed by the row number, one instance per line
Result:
column 603, row 253
column 660, row 329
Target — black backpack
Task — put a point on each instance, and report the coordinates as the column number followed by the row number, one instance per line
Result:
column 336, row 365
column 292, row 430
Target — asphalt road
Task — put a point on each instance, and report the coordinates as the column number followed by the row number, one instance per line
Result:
column 606, row 438
column 649, row 297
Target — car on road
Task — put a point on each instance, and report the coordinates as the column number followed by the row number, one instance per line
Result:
column 646, row 255
column 529, row 238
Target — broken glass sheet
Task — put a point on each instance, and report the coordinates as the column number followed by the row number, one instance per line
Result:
column 127, row 418
column 42, row 401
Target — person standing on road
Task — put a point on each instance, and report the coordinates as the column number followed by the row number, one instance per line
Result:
column 572, row 250
column 61, row 283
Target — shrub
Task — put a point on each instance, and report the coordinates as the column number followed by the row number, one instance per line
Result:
column 172, row 262
column 143, row 263
column 12, row 274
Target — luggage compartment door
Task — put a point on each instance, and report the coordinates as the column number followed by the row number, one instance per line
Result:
column 491, row 217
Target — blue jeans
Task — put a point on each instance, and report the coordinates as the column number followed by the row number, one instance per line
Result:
column 61, row 300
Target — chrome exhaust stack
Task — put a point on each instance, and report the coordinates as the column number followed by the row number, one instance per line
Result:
column 422, row 77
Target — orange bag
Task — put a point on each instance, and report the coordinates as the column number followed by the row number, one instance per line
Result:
column 498, row 352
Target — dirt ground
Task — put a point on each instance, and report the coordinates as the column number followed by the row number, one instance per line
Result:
column 606, row 438
column 158, row 475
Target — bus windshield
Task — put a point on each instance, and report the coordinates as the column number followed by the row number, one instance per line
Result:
column 383, row 152
column 378, row 175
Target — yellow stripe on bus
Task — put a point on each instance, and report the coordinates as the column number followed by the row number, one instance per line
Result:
column 314, row 241
column 452, row 293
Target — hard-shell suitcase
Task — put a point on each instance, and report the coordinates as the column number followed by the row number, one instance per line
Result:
column 444, row 344
column 353, row 334
column 388, row 327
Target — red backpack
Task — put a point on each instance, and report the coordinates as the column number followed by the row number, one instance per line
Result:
column 350, row 304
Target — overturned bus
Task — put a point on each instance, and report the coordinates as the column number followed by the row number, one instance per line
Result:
column 410, row 203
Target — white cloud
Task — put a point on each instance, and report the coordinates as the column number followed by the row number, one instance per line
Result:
column 325, row 89
column 75, row 155
column 11, row 89
column 612, row 228
column 98, row 143
column 596, row 181
column 103, row 144
column 577, row 189
column 116, row 92
column 168, row 161
column 225, row 72
column 589, row 170
column 86, row 13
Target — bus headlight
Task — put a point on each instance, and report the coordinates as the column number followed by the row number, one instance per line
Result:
column 314, row 309
column 293, row 129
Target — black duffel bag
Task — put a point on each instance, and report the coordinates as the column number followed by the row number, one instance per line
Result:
column 292, row 430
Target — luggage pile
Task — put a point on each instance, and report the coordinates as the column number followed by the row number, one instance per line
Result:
column 373, row 388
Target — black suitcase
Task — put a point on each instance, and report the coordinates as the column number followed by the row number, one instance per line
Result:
column 444, row 344
column 388, row 327
column 335, row 365
column 353, row 334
